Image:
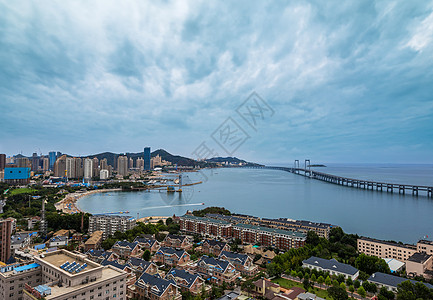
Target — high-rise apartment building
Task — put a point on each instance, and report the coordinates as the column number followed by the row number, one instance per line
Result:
column 103, row 165
column 2, row 161
column 146, row 157
column 35, row 162
column 70, row 167
column 45, row 164
column 52, row 156
column 79, row 170
column 60, row 166
column 88, row 168
column 5, row 240
column 122, row 165
column 139, row 163
column 22, row 162
column 131, row 163
column 95, row 171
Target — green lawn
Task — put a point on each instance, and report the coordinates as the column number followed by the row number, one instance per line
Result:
column 285, row 283
column 21, row 191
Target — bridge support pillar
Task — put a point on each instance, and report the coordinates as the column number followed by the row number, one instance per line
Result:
column 401, row 189
column 415, row 191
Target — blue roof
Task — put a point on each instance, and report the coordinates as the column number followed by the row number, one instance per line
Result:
column 39, row 247
column 26, row 267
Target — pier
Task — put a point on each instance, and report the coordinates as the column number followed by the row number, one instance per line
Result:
column 306, row 171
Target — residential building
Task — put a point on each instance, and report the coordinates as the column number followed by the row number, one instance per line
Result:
column 22, row 162
column 103, row 174
column 205, row 226
column 125, row 249
column 420, row 264
column 35, row 162
column 425, row 246
column 139, row 164
column 177, row 241
column 60, row 240
column 384, row 249
column 217, row 270
column 88, row 168
column 109, row 224
column 67, row 276
column 146, row 158
column 278, row 238
column 100, row 255
column 139, row 266
column 242, row 262
column 394, row 264
column 155, row 288
column 171, row 256
column 20, row 241
column 122, row 165
column 15, row 276
column 2, row 161
column 5, row 240
column 103, row 165
column 187, row 282
column 150, row 244
column 322, row 229
column 308, row 296
column 60, row 166
column 214, row 247
column 16, row 175
column 332, row 266
column 45, row 164
column 390, row 281
column 95, row 166
column 94, row 242
column 265, row 286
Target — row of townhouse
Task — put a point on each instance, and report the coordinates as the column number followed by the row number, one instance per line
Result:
column 418, row 259
column 155, row 287
column 205, row 226
column 278, row 238
column 322, row 229
column 247, row 233
column 148, row 243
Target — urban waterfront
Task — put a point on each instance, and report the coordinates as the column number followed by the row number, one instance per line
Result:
column 272, row 194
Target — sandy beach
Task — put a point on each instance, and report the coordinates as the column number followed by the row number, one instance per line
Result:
column 69, row 204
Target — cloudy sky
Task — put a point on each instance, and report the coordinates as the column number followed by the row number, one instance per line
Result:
column 347, row 81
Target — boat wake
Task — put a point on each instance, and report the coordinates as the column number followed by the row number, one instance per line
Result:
column 168, row 206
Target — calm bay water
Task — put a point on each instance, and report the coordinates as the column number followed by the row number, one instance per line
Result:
column 273, row 194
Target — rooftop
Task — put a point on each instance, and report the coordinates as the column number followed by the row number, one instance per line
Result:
column 295, row 234
column 107, row 273
column 391, row 280
column 68, row 262
column 205, row 219
column 94, row 238
column 331, row 264
column 388, row 243
column 419, row 257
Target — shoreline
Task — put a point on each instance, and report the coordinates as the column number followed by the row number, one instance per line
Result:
column 69, row 203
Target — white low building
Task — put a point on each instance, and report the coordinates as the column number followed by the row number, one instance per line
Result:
column 332, row 266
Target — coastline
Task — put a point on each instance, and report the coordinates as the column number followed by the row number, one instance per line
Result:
column 69, row 203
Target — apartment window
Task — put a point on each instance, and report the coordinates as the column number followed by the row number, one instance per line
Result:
column 100, row 294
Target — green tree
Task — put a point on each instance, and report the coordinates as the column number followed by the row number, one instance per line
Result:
column 320, row 280
column 362, row 292
column 306, row 283
column 371, row 264
column 312, row 238
column 343, row 286
column 385, row 293
column 335, row 283
column 293, row 273
column 328, row 281
column 146, row 255
column 351, row 289
column 313, row 278
column 356, row 284
column 248, row 286
column 337, row 293
column 349, row 281
column 300, row 275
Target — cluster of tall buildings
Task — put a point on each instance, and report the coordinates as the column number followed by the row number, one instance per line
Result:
column 65, row 166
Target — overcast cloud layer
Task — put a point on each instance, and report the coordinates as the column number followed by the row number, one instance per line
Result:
column 349, row 81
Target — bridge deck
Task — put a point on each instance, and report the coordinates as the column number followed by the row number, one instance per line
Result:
column 357, row 183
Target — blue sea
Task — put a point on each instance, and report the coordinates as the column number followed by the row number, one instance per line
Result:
column 275, row 194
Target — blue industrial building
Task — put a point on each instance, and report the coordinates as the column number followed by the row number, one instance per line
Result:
column 17, row 175
column 146, row 157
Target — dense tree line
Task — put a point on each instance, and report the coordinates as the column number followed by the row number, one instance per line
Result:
column 211, row 210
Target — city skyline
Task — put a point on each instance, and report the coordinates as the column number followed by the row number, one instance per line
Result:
column 348, row 83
